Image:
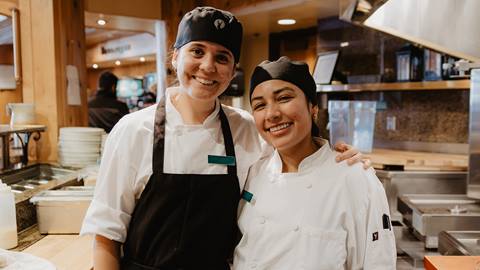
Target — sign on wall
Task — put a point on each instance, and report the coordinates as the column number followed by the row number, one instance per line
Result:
column 127, row 47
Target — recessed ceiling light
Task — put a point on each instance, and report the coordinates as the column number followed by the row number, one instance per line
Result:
column 118, row 63
column 95, row 66
column 101, row 22
column 344, row 44
column 142, row 59
column 286, row 21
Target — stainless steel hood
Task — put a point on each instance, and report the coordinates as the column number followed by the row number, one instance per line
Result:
column 449, row 26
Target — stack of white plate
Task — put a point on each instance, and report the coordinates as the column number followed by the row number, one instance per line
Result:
column 79, row 146
column 102, row 145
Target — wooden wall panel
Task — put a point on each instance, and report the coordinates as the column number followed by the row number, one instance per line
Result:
column 7, row 5
column 147, row 9
column 69, row 24
column 52, row 36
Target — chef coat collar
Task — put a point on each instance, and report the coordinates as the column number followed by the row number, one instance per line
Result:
column 175, row 120
column 307, row 163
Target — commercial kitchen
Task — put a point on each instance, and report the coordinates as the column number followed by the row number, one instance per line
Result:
column 397, row 79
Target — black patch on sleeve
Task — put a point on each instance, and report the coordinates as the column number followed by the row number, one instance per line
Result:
column 386, row 222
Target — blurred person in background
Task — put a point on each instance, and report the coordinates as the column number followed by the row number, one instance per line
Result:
column 148, row 98
column 104, row 109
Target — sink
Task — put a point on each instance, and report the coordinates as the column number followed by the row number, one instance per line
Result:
column 459, row 243
column 29, row 181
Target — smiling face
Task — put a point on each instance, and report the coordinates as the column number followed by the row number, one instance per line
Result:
column 282, row 114
column 204, row 69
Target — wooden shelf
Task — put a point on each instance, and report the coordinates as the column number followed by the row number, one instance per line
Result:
column 396, row 86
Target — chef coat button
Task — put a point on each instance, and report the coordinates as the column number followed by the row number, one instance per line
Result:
column 296, row 229
column 262, row 220
column 253, row 265
column 309, row 186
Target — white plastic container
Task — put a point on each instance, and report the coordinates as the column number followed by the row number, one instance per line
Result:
column 61, row 211
column 352, row 122
column 8, row 219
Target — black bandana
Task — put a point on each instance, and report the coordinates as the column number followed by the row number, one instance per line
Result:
column 284, row 69
column 211, row 24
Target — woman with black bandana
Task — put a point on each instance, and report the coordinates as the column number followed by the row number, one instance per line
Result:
column 300, row 208
column 171, row 175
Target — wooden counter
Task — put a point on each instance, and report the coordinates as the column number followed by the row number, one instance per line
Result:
column 452, row 262
column 417, row 161
column 66, row 252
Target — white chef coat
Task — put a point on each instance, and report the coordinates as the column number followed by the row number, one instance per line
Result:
column 322, row 217
column 126, row 164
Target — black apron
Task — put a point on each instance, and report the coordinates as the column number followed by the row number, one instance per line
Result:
column 183, row 221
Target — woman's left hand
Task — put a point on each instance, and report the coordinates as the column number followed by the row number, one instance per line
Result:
column 351, row 154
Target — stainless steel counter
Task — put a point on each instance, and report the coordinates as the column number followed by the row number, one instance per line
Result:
column 410, row 250
column 397, row 183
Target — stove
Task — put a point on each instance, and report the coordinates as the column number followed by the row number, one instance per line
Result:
column 429, row 214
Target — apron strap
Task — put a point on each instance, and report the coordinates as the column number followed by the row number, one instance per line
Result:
column 228, row 140
column 159, row 137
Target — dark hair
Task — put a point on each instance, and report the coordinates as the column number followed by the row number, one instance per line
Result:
column 315, row 131
column 107, row 81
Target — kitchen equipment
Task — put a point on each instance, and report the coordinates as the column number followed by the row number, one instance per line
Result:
column 21, row 113
column 352, row 122
column 61, row 211
column 429, row 214
column 432, row 63
column 29, row 181
column 409, row 64
column 8, row 221
column 473, row 188
column 464, row 243
column 397, row 183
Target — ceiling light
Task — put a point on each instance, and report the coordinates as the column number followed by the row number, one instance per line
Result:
column 142, row 59
column 286, row 21
column 101, row 22
column 344, row 44
column 95, row 66
column 118, row 63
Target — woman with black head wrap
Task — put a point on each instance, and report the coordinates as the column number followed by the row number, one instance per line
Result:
column 301, row 209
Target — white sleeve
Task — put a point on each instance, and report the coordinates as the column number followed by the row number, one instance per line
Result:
column 372, row 243
column 114, row 199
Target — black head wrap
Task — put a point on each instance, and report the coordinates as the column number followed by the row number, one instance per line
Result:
column 284, row 69
column 294, row 72
column 211, row 24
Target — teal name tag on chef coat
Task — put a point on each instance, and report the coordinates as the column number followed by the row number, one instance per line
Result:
column 247, row 196
column 222, row 160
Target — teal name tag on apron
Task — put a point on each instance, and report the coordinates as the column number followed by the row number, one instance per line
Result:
column 222, row 160
column 247, row 196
